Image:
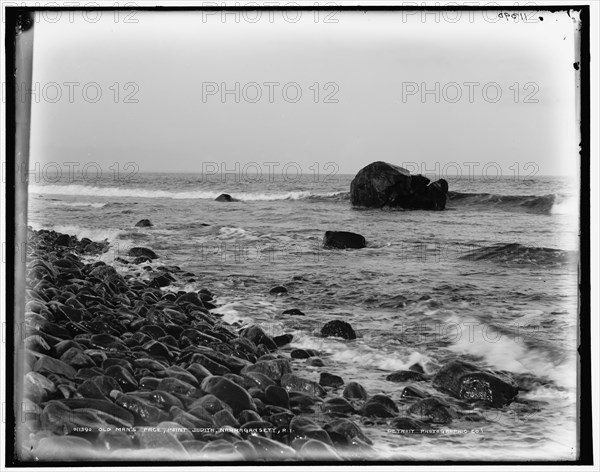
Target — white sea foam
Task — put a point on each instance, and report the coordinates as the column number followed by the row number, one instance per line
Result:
column 506, row 351
column 566, row 205
column 231, row 313
column 191, row 195
column 228, row 231
column 348, row 353
column 79, row 204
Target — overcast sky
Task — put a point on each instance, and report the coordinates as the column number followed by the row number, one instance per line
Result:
column 365, row 71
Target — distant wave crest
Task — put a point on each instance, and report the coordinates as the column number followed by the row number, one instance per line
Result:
column 191, row 195
column 540, row 204
column 519, row 254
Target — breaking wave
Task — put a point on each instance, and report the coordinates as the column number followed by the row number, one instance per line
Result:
column 519, row 254
column 540, row 204
column 191, row 195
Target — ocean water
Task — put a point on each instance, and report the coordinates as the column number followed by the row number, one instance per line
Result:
column 493, row 280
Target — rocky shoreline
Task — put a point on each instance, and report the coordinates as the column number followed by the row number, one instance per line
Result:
column 118, row 367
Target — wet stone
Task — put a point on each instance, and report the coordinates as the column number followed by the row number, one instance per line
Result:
column 273, row 369
column 303, row 353
column 355, row 391
column 248, row 415
column 380, row 406
column 338, row 329
column 149, row 383
column 191, row 298
column 181, row 374
column 142, row 411
column 59, row 349
column 153, row 331
column 343, row 431
column 141, row 260
column 142, row 252
column 278, row 290
column 178, row 387
column 150, row 364
column 413, row 392
column 213, row 367
column 330, row 380
column 337, row 406
column 406, row 376
column 282, row 419
column 89, row 389
column 37, row 343
column 467, row 381
column 157, row 350
column 293, row 312
column 107, row 342
column 243, row 381
column 124, row 378
column 48, row 365
column 87, row 373
column 162, row 280
column 255, row 334
column 97, row 355
column 106, row 384
column 198, row 371
column 298, row 384
column 278, row 396
column 283, row 339
column 37, row 387
column 302, row 400
column 111, row 361
column 407, row 423
column 104, row 406
column 229, row 392
column 161, row 399
column 210, row 403
column 315, row 362
column 431, row 409
column 225, row 418
column 305, row 428
column 60, row 419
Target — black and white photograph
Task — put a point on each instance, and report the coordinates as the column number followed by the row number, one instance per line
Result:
column 299, row 234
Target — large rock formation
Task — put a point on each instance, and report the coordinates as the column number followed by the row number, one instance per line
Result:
column 381, row 184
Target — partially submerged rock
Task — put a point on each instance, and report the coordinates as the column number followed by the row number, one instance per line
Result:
column 343, row 240
column 225, row 197
column 339, row 329
column 386, row 185
column 468, row 382
column 143, row 223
